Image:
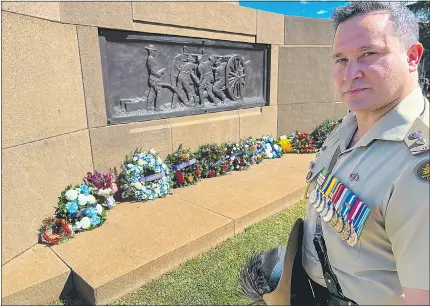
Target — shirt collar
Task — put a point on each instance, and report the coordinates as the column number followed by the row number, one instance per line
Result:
column 393, row 126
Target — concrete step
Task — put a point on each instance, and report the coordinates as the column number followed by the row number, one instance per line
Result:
column 141, row 241
column 35, row 277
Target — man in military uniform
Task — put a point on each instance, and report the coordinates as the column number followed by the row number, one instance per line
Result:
column 365, row 238
column 369, row 184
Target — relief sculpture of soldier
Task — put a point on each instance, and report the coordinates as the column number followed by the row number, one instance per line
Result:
column 186, row 82
column 154, row 76
column 206, row 78
column 195, row 77
column 218, row 88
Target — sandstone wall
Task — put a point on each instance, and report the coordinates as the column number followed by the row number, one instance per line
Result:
column 54, row 118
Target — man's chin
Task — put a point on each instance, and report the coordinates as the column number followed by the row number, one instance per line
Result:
column 358, row 105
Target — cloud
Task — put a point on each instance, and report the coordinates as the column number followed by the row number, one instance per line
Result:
column 321, row 12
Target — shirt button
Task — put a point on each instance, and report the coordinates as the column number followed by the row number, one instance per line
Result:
column 353, row 176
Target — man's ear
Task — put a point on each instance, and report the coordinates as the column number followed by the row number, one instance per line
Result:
column 415, row 53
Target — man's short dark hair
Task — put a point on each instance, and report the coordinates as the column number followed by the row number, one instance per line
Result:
column 405, row 23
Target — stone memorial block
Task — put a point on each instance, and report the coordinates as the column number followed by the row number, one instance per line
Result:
column 148, row 76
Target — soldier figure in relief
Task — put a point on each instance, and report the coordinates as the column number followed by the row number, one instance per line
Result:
column 153, row 79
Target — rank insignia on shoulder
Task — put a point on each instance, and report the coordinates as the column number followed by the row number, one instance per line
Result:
column 423, row 170
column 417, row 137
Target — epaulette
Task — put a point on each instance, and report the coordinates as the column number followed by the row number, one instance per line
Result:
column 417, row 138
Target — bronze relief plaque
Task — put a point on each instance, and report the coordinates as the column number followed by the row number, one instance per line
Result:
column 147, row 76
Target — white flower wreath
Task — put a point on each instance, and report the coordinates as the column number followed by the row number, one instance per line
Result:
column 145, row 176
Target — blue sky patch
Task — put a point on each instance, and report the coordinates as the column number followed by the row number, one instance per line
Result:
column 304, row 8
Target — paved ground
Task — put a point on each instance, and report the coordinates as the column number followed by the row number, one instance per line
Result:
column 141, row 241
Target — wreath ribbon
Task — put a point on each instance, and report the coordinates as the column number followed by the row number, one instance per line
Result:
column 216, row 163
column 184, row 164
column 152, row 177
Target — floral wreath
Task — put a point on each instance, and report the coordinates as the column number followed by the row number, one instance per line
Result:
column 55, row 230
column 80, row 207
column 240, row 155
column 185, row 169
column 145, row 176
column 303, row 143
column 270, row 148
column 256, row 149
column 323, row 130
column 213, row 160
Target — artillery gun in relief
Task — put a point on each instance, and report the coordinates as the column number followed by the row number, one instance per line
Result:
column 195, row 78
column 149, row 76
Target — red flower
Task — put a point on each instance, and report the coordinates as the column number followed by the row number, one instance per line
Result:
column 180, row 177
column 51, row 238
column 225, row 167
column 198, row 172
column 211, row 173
column 66, row 229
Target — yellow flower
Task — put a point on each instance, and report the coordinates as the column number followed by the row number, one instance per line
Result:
column 190, row 179
column 286, row 146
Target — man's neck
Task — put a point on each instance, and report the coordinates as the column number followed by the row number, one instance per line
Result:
column 366, row 120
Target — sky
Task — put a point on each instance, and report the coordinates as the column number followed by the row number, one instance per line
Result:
column 303, row 8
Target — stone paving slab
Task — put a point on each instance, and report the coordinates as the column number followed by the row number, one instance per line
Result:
column 139, row 242
column 250, row 196
column 36, row 277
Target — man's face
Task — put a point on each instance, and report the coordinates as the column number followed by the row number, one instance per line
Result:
column 370, row 64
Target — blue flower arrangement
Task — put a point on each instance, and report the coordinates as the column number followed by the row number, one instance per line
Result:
column 144, row 176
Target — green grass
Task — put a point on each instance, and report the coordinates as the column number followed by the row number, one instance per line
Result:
column 212, row 278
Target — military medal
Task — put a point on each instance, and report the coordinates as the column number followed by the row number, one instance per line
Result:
column 318, row 201
column 361, row 220
column 346, row 229
column 313, row 196
column 358, row 218
column 322, row 204
column 339, row 203
column 337, row 194
column 346, row 233
column 353, row 239
column 329, row 213
column 342, row 208
column 326, row 208
column 338, row 227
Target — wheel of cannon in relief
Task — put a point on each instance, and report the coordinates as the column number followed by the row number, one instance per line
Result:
column 235, row 77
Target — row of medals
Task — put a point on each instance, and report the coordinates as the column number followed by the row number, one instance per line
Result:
column 325, row 204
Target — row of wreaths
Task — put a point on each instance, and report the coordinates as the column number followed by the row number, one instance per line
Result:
column 145, row 176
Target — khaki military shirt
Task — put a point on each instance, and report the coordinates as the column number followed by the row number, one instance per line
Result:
column 393, row 250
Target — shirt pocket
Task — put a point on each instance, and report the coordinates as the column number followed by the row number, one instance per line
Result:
column 340, row 253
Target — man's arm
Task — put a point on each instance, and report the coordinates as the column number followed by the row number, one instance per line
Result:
column 416, row 296
column 407, row 226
